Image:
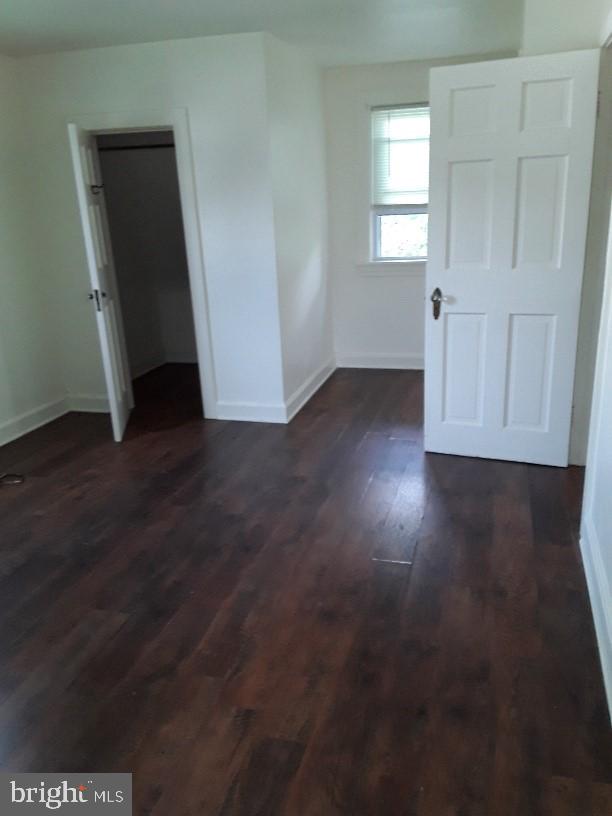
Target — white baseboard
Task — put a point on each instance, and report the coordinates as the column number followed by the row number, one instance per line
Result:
column 276, row 412
column 31, row 420
column 98, row 404
column 88, row 403
column 308, row 389
column 599, row 593
column 252, row 411
column 380, row 360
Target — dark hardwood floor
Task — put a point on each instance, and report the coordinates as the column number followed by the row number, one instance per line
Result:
column 210, row 606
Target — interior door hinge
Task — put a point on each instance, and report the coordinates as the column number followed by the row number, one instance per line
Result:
column 97, row 296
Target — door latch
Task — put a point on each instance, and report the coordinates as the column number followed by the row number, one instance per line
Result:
column 97, row 296
column 436, row 299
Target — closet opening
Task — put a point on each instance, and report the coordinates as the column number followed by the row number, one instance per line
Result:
column 138, row 171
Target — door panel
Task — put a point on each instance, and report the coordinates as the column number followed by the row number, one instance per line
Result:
column 546, row 103
column 542, row 191
column 531, row 344
column 511, row 154
column 472, row 110
column 102, row 277
column 470, row 217
column 464, row 384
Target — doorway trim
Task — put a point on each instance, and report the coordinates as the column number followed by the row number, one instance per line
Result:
column 177, row 120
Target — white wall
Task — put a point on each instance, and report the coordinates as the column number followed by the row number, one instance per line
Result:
column 596, row 533
column 221, row 81
column 592, row 290
column 144, row 212
column 606, row 24
column 563, row 25
column 31, row 389
column 378, row 309
column 297, row 164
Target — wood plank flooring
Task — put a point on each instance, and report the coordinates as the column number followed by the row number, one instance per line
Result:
column 200, row 606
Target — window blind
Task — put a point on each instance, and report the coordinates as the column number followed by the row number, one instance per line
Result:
column 400, row 160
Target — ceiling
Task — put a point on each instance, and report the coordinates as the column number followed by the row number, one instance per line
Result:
column 334, row 31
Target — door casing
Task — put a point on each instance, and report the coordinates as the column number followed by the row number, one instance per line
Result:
column 177, row 120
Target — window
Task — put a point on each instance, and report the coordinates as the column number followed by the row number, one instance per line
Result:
column 400, row 182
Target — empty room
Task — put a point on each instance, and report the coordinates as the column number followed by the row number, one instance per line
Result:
column 306, row 407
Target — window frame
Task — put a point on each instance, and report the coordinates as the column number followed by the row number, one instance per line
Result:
column 378, row 210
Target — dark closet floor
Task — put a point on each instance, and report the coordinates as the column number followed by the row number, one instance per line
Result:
column 164, row 398
column 215, row 607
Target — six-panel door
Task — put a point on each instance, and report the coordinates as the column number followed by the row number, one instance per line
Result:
column 511, row 154
column 99, row 256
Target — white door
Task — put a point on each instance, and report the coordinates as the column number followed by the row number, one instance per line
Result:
column 511, row 154
column 102, row 276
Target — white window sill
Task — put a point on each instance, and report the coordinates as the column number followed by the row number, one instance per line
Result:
column 378, row 269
